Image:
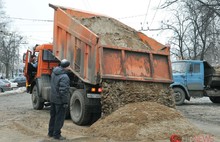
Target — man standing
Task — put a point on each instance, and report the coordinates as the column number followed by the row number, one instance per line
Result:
column 32, row 70
column 59, row 99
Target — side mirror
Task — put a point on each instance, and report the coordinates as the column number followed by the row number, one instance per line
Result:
column 24, row 57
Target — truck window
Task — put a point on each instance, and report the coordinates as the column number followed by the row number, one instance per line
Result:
column 48, row 56
column 179, row 67
column 196, row 68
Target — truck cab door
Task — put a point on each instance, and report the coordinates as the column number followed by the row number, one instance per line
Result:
column 179, row 70
column 26, row 60
column 195, row 77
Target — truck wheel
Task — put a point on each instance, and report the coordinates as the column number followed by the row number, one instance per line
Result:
column 215, row 99
column 179, row 96
column 36, row 102
column 1, row 90
column 79, row 111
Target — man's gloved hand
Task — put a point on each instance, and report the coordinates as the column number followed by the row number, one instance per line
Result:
column 65, row 105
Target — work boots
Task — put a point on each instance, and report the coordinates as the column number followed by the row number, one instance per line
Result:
column 59, row 137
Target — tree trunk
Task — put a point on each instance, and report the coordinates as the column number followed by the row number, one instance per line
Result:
column 7, row 66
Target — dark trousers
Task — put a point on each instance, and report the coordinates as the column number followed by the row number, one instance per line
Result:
column 57, row 117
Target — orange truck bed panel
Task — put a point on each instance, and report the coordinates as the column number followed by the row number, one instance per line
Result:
column 92, row 62
column 130, row 64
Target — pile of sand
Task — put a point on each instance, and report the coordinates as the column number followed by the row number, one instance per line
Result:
column 147, row 121
column 114, row 33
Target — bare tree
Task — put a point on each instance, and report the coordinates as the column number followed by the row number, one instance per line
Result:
column 213, row 5
column 2, row 27
column 201, row 19
column 3, row 21
column 9, row 44
column 199, row 35
column 179, row 27
column 9, row 50
column 168, row 3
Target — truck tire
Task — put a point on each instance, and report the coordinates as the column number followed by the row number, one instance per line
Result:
column 79, row 111
column 1, row 90
column 179, row 96
column 36, row 101
column 215, row 99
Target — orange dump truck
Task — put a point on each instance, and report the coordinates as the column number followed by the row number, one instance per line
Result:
column 93, row 58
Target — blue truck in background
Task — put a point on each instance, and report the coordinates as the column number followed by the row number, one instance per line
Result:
column 195, row 78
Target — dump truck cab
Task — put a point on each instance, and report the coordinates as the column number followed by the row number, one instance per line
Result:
column 45, row 63
column 38, row 80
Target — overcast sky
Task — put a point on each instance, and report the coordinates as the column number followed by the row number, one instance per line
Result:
column 30, row 16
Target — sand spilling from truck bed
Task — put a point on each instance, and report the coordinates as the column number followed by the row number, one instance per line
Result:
column 118, row 93
column 113, row 32
column 147, row 121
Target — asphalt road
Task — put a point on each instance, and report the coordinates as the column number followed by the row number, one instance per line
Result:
column 202, row 113
column 19, row 122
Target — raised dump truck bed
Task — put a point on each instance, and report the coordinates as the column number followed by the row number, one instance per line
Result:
column 214, row 80
column 211, row 76
column 92, row 59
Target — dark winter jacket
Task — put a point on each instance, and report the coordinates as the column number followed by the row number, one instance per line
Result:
column 59, row 86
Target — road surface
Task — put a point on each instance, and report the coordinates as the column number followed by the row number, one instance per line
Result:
column 19, row 122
